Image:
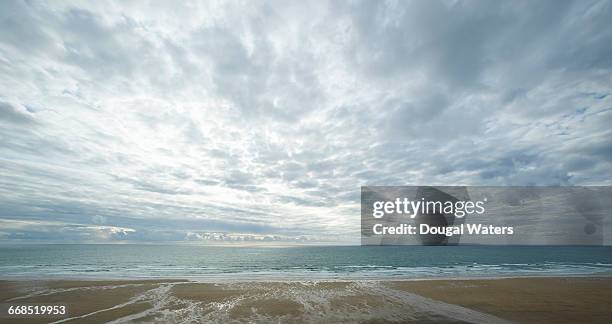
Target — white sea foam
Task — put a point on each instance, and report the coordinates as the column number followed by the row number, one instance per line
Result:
column 315, row 302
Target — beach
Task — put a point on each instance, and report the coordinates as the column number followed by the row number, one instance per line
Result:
column 525, row 300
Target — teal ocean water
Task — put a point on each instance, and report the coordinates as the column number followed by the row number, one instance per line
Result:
column 298, row 263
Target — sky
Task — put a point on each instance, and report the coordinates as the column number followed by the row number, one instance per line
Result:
column 165, row 121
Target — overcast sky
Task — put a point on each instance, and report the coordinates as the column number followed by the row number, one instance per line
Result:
column 161, row 121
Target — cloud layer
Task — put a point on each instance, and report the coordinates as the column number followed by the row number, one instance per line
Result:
column 170, row 121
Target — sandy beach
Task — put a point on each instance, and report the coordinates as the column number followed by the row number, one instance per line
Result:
column 525, row 300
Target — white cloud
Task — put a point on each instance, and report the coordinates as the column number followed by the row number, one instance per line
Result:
column 267, row 117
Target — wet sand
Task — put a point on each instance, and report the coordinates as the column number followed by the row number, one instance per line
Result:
column 526, row 300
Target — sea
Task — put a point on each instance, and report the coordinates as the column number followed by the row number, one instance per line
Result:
column 239, row 263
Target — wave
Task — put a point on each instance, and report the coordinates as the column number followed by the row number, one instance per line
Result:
column 369, row 271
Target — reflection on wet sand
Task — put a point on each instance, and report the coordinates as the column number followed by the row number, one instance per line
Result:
column 475, row 301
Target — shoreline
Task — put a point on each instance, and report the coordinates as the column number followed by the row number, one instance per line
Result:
column 478, row 300
column 289, row 280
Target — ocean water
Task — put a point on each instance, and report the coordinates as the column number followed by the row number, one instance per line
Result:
column 206, row 263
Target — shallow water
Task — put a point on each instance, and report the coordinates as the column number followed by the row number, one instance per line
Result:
column 296, row 302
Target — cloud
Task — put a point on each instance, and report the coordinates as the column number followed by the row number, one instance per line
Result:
column 265, row 118
column 13, row 115
column 54, row 231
